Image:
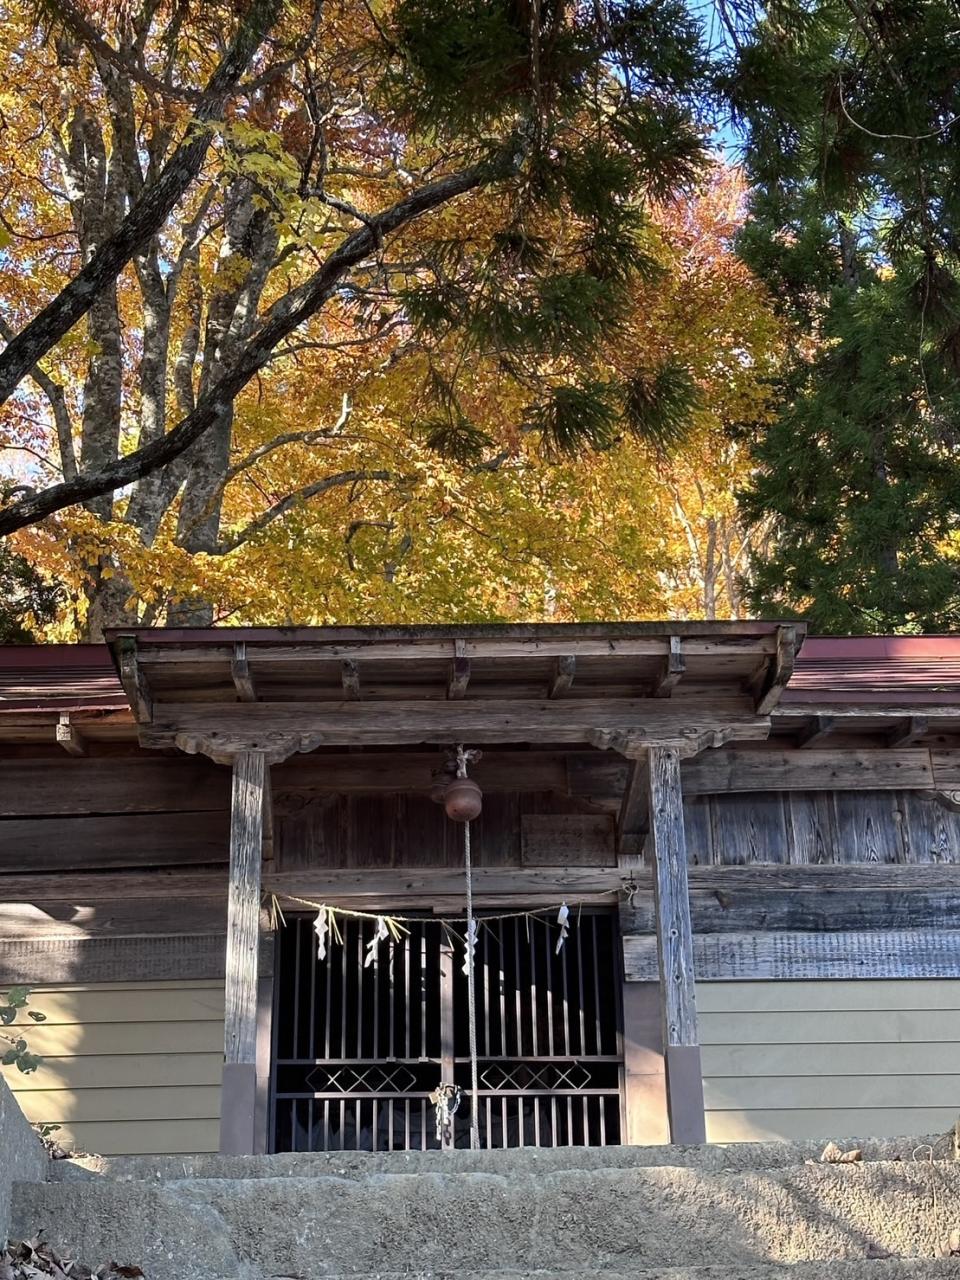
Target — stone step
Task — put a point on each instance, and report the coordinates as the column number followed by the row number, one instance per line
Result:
column 888, row 1269
column 571, row 1222
column 358, row 1164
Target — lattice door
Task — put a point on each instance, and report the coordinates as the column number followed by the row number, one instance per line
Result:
column 357, row 1051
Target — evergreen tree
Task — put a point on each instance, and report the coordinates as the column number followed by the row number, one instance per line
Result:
column 851, row 115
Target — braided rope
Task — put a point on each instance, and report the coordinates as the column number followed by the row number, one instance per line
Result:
column 471, row 987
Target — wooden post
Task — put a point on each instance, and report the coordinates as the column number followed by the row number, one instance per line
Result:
column 239, row 1092
column 675, row 949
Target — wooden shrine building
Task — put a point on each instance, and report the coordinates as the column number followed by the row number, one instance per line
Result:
column 756, row 837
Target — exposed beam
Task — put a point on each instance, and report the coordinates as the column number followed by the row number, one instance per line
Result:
column 431, row 883
column 591, row 640
column 717, row 772
column 866, row 953
column 240, row 671
column 880, row 709
column 564, row 669
column 633, row 821
column 674, row 948
column 69, row 736
column 350, row 679
column 459, row 671
column 281, row 729
column 820, row 727
column 396, row 882
column 908, row 731
column 821, row 908
column 673, row 669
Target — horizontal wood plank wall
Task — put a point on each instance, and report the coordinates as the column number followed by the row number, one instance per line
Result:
column 800, row 827
column 129, row 1068
column 829, row 1059
column 386, row 830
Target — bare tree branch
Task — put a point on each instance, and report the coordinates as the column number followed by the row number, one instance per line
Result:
column 299, row 496
column 146, row 216
column 61, row 413
column 288, row 437
column 281, row 320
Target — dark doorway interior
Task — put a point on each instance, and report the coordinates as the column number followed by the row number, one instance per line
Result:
column 357, row 1050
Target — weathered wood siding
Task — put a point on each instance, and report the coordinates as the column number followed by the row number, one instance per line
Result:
column 829, row 1059
column 741, row 828
column 387, row 830
column 129, row 1068
column 820, row 826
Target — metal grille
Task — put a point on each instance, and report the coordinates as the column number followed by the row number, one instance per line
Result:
column 358, row 1051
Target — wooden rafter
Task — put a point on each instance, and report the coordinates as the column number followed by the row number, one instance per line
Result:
column 564, row 670
column 459, row 671
column 819, row 728
column 132, row 679
column 240, row 672
column 909, row 731
column 350, row 679
column 673, row 669
column 775, row 681
column 69, row 737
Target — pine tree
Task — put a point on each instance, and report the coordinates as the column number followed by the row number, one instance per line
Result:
column 851, row 114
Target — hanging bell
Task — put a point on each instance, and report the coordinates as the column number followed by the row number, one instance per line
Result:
column 462, row 800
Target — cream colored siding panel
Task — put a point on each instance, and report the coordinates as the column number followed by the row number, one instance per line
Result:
column 143, row 1070
column 829, row 1059
column 128, row 1067
column 765, row 1126
column 754, row 997
column 143, row 1137
column 829, row 1027
column 122, row 1038
column 863, row 1059
column 194, row 1002
column 806, row 1093
column 195, row 1102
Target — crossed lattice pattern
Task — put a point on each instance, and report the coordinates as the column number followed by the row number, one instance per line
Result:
column 373, row 1078
column 545, row 1075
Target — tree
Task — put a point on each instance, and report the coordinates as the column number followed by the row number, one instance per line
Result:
column 393, row 529
column 853, row 121
column 28, row 602
column 383, row 185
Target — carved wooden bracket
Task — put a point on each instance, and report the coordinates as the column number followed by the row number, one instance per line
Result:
column 223, row 748
column 687, row 740
column 947, row 799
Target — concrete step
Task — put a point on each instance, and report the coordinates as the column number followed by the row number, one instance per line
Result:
column 889, row 1269
column 360, row 1164
column 592, row 1221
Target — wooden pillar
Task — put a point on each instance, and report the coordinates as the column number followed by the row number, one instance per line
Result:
column 675, row 949
column 238, row 1102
